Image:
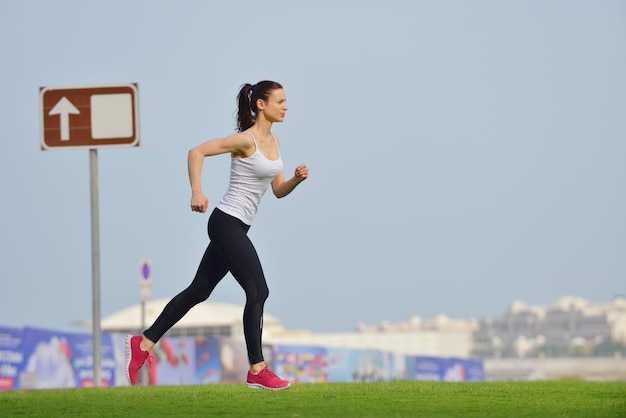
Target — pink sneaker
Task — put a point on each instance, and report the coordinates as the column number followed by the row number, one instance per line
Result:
column 266, row 379
column 135, row 358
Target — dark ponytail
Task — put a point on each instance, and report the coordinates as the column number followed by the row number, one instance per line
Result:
column 246, row 101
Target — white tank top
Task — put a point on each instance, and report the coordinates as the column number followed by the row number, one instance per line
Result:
column 249, row 179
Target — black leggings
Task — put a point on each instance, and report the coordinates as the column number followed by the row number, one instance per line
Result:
column 229, row 249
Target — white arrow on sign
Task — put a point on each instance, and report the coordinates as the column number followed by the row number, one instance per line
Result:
column 64, row 108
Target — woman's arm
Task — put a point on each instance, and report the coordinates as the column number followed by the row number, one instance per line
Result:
column 282, row 188
column 237, row 144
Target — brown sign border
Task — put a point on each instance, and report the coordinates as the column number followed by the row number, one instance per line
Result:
column 80, row 124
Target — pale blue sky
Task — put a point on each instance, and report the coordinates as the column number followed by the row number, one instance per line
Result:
column 462, row 154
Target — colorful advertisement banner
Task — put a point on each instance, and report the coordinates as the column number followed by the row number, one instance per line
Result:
column 429, row 368
column 33, row 358
column 351, row 365
column 474, row 370
column 234, row 359
column 173, row 362
column 62, row 360
column 301, row 364
column 446, row 369
column 11, row 357
column 207, row 361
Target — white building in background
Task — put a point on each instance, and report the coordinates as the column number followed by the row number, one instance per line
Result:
column 203, row 320
column 522, row 328
column 569, row 321
column 439, row 337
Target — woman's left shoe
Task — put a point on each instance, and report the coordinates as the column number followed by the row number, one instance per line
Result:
column 266, row 379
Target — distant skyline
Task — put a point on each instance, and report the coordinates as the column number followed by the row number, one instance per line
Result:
column 462, row 155
column 403, row 320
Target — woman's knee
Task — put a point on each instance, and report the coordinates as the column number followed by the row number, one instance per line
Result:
column 199, row 290
column 256, row 293
column 264, row 293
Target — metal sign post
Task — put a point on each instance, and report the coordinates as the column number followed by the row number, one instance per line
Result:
column 95, row 267
column 90, row 117
column 145, row 288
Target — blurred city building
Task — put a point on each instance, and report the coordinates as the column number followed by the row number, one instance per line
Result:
column 441, row 336
column 569, row 327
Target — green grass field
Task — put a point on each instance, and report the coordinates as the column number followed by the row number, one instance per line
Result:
column 393, row 399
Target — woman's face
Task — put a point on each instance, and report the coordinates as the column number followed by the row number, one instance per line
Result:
column 275, row 107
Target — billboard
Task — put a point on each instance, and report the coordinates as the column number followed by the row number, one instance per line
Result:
column 11, row 357
column 32, row 358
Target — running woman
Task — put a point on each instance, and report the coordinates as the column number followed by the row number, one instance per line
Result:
column 255, row 164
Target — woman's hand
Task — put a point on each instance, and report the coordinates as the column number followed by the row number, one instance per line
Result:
column 199, row 203
column 301, row 173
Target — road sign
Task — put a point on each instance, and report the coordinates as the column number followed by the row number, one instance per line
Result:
column 89, row 116
column 145, row 279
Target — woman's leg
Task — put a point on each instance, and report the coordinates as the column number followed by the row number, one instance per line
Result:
column 210, row 271
column 238, row 252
